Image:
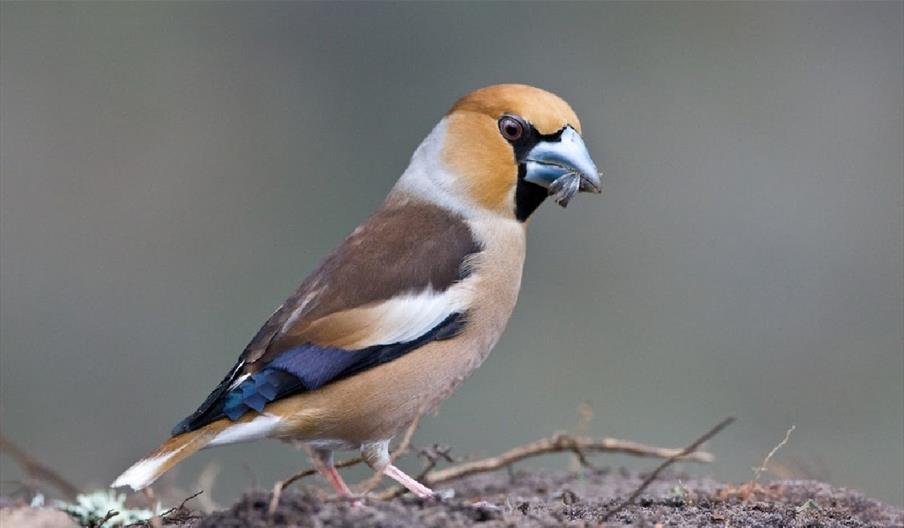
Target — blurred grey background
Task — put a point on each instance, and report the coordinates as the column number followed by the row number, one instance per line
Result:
column 171, row 171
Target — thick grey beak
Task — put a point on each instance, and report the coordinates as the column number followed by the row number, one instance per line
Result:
column 549, row 161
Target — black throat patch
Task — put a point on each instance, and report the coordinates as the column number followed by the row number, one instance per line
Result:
column 529, row 196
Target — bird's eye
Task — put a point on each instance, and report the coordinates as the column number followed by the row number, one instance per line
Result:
column 511, row 128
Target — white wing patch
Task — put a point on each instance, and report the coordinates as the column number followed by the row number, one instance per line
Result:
column 400, row 319
column 408, row 317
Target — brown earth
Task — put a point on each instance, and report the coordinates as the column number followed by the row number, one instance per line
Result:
column 576, row 499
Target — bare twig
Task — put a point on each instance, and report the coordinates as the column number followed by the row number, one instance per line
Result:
column 206, row 481
column 751, row 487
column 36, row 470
column 763, row 466
column 433, row 455
column 582, row 459
column 558, row 443
column 110, row 514
column 181, row 505
column 668, row 462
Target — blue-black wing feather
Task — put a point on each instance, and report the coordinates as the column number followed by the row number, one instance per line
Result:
column 303, row 368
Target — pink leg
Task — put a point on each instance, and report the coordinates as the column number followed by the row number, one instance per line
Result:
column 409, row 483
column 335, row 479
column 323, row 462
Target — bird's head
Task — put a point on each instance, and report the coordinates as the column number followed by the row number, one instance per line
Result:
column 505, row 148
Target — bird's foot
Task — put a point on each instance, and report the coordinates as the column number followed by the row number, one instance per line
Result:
column 409, row 483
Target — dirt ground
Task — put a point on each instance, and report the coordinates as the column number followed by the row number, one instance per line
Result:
column 538, row 500
column 556, row 499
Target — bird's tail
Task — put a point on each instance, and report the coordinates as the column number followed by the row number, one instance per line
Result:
column 144, row 472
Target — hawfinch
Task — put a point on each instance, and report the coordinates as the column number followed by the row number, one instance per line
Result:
column 409, row 304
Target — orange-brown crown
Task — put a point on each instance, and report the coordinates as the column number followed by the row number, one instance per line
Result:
column 546, row 111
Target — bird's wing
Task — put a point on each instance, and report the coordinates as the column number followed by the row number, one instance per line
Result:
column 389, row 288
